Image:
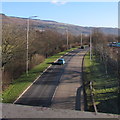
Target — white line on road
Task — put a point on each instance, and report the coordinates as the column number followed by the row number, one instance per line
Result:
column 35, row 81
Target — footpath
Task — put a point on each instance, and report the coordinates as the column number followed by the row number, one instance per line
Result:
column 20, row 111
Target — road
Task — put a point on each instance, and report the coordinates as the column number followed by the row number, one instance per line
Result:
column 59, row 86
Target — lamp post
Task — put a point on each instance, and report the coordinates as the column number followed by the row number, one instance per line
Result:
column 90, row 46
column 81, row 39
column 67, row 38
column 27, row 58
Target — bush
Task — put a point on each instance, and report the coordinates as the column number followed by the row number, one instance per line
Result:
column 36, row 59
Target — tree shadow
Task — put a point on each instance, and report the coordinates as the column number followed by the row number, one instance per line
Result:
column 109, row 106
column 78, row 99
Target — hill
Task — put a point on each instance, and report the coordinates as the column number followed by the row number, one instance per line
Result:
column 60, row 27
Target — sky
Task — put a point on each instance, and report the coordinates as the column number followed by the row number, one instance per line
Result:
column 90, row 14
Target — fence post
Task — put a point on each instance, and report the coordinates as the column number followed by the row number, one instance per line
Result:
column 95, row 108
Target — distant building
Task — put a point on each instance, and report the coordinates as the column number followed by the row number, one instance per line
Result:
column 114, row 44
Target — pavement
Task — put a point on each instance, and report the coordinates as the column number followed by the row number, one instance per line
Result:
column 21, row 111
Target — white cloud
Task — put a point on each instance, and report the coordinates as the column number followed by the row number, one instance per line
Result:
column 54, row 1
column 58, row 2
column 63, row 2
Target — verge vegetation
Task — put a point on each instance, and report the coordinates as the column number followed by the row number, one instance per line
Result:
column 105, row 87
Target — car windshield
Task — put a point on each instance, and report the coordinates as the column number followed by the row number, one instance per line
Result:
column 60, row 60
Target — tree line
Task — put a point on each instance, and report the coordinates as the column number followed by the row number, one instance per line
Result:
column 42, row 44
column 45, row 43
column 109, row 56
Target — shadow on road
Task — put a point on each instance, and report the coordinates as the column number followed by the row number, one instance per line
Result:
column 42, row 102
column 78, row 99
column 54, row 63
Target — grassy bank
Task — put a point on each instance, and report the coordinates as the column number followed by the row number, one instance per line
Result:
column 105, row 86
column 20, row 84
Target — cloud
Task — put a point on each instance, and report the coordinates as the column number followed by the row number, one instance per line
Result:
column 63, row 2
column 54, row 1
column 58, row 2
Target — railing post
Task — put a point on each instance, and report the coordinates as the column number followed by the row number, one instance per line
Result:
column 95, row 108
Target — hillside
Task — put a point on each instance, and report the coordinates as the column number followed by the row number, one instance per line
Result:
column 60, row 27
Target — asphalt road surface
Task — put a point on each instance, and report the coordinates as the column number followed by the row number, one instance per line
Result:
column 59, row 86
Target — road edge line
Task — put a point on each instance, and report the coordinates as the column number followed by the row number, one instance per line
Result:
column 31, row 84
column 84, row 105
column 55, row 90
column 36, row 80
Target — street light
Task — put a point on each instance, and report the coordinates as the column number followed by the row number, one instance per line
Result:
column 27, row 59
column 67, row 38
column 81, row 39
column 90, row 46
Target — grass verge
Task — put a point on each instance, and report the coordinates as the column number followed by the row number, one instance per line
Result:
column 105, row 86
column 20, row 84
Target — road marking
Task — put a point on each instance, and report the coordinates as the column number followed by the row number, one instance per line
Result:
column 56, row 89
column 35, row 80
column 58, row 85
column 31, row 84
column 82, row 93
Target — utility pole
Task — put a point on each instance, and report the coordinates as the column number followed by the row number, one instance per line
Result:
column 27, row 59
column 67, row 38
column 27, row 54
column 81, row 40
column 90, row 46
